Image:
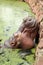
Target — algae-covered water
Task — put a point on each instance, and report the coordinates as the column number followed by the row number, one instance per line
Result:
column 12, row 13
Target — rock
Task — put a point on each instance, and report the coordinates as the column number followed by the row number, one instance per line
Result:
column 39, row 57
column 37, row 8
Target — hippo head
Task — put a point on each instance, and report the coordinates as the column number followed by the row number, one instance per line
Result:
column 24, row 39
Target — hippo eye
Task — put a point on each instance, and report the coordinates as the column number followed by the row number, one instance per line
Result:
column 12, row 43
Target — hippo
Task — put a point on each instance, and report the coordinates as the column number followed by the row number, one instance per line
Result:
column 25, row 36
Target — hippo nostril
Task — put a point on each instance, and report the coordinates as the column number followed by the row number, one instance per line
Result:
column 13, row 44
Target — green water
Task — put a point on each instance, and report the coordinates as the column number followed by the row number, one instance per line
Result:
column 12, row 14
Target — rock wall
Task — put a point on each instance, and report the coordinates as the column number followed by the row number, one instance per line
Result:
column 37, row 8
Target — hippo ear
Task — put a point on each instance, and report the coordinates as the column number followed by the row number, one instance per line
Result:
column 25, row 19
column 29, row 18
